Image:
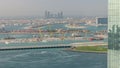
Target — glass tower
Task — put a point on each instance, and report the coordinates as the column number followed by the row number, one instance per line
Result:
column 114, row 33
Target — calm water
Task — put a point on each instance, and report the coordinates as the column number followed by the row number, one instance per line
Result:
column 52, row 58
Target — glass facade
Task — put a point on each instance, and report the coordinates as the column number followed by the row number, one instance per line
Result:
column 102, row 20
column 114, row 33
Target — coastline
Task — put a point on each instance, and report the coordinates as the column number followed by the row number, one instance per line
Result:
column 83, row 51
column 101, row 49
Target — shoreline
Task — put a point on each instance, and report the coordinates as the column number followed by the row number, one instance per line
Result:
column 83, row 51
column 101, row 49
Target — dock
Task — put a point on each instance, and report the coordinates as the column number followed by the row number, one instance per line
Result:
column 4, row 48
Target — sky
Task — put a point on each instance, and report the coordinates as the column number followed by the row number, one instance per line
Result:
column 38, row 7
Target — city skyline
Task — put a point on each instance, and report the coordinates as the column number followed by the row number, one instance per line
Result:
column 38, row 7
column 58, row 15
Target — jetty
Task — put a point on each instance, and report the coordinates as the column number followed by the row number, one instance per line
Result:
column 4, row 48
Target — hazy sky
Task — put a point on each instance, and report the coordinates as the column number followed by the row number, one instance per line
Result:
column 37, row 7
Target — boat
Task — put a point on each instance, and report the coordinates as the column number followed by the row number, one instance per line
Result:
column 76, row 35
column 6, row 42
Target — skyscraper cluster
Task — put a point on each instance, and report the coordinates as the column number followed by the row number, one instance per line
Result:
column 49, row 15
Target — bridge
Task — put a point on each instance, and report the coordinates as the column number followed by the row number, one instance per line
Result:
column 5, row 48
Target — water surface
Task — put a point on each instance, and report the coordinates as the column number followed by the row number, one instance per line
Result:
column 51, row 58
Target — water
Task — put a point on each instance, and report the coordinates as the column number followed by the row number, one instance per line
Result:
column 50, row 58
column 57, row 58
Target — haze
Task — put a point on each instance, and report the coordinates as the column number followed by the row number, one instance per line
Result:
column 37, row 7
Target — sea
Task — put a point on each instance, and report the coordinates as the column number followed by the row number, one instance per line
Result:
column 50, row 58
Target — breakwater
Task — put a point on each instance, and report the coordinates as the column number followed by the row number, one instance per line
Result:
column 32, row 47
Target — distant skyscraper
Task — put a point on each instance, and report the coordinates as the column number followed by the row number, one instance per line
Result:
column 114, row 34
column 47, row 14
column 61, row 15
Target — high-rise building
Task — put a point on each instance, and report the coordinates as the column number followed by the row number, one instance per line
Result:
column 47, row 14
column 60, row 15
column 101, row 20
column 114, row 33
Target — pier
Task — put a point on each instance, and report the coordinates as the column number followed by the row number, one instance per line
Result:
column 4, row 48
